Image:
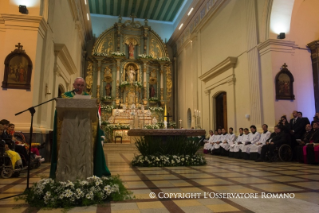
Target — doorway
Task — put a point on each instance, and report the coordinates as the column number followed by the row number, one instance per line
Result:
column 221, row 111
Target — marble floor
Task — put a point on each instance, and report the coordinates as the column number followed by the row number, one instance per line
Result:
column 221, row 175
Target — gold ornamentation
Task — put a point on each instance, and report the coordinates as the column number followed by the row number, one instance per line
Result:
column 169, row 84
column 153, row 77
column 89, row 79
column 107, row 75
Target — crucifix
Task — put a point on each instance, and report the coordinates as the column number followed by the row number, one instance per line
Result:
column 167, row 116
column 132, row 16
column 19, row 47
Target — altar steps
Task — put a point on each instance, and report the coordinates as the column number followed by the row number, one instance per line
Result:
column 120, row 148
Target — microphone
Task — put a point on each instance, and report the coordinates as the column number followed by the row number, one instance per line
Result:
column 75, row 90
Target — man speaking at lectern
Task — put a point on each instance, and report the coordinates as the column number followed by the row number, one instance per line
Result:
column 99, row 168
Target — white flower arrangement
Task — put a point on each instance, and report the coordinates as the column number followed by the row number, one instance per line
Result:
column 111, row 127
column 156, row 109
column 145, row 56
column 106, row 98
column 153, row 99
column 163, row 59
column 55, row 194
column 136, row 83
column 107, row 108
column 99, row 54
column 168, row 160
column 117, row 53
column 151, row 126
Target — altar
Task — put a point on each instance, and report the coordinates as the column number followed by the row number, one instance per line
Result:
column 122, row 120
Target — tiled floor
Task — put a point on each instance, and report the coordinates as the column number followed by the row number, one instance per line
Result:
column 220, row 175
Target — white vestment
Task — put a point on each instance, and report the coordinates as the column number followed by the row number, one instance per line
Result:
column 208, row 144
column 252, row 138
column 215, row 139
column 222, row 138
column 230, row 139
column 235, row 147
column 263, row 138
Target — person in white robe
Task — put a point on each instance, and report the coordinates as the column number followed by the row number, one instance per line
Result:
column 216, row 139
column 222, row 138
column 229, row 140
column 208, row 145
column 234, row 148
column 253, row 138
column 255, row 149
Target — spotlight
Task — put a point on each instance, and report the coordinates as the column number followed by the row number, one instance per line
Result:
column 281, row 36
column 23, row 9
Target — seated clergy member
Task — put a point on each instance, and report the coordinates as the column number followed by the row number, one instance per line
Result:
column 217, row 145
column 235, row 148
column 311, row 150
column 255, row 149
column 301, row 143
column 276, row 140
column 208, row 145
column 230, row 140
column 253, row 138
column 216, row 139
column 244, row 141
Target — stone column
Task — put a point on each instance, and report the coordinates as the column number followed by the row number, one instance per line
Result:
column 253, row 64
column 118, row 64
column 162, row 82
column 98, row 79
column 314, row 47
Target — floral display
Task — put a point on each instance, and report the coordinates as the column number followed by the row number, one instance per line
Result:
column 106, row 98
column 145, row 56
column 55, row 194
column 163, row 59
column 136, row 83
column 117, row 53
column 153, row 99
column 156, row 109
column 168, row 160
column 107, row 108
column 111, row 127
column 151, row 126
column 99, row 54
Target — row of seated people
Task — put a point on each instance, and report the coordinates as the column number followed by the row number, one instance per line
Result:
column 258, row 146
column 15, row 145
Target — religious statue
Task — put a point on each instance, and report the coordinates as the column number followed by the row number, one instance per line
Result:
column 131, row 73
column 154, row 121
column 108, row 89
column 131, row 50
column 152, row 91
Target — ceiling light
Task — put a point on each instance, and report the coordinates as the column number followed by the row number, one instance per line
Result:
column 85, row 1
column 88, row 16
column 180, row 26
column 190, row 11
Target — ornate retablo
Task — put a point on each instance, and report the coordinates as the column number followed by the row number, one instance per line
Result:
column 167, row 132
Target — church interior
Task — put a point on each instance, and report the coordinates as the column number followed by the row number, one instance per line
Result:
column 223, row 66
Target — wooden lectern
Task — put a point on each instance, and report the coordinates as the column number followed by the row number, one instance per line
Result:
column 75, row 138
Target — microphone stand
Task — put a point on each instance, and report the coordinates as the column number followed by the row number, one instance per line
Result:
column 32, row 111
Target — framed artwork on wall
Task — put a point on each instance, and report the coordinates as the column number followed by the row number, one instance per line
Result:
column 18, row 70
column 284, row 84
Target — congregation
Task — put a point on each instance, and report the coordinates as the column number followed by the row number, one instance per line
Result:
column 297, row 139
column 15, row 146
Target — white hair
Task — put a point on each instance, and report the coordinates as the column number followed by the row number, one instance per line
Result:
column 79, row 78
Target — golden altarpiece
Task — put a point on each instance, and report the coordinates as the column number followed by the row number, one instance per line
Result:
column 130, row 73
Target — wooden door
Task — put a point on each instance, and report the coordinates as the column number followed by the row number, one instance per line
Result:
column 221, row 111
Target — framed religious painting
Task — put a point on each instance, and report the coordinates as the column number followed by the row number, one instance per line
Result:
column 284, row 84
column 18, row 70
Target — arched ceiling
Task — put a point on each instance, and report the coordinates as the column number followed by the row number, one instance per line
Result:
column 161, row 10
